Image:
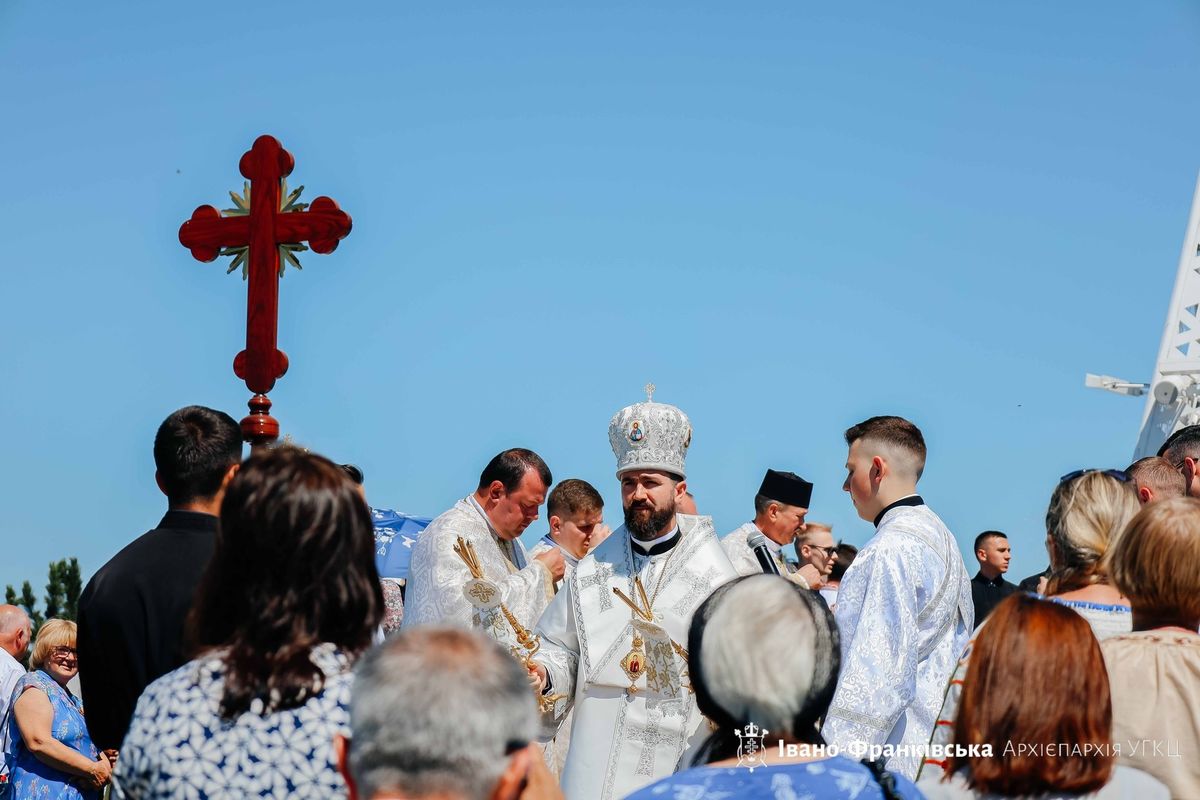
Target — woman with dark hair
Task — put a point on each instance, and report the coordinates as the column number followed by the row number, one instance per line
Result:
column 1036, row 707
column 763, row 656
column 288, row 603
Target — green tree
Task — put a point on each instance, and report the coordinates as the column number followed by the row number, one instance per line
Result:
column 62, row 589
column 27, row 601
column 62, row 594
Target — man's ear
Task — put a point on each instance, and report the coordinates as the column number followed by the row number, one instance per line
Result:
column 159, row 481
column 1145, row 494
column 229, row 473
column 496, row 491
column 512, row 782
column 680, row 490
column 879, row 469
column 555, row 523
column 341, row 752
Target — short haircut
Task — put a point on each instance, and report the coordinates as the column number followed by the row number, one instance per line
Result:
column 1159, row 475
column 1156, row 562
column 895, row 432
column 983, row 537
column 510, row 466
column 1183, row 443
column 846, row 553
column 1028, row 642
column 1085, row 517
column 437, row 710
column 573, row 496
column 776, row 668
column 809, row 529
column 53, row 633
column 12, row 618
column 193, row 449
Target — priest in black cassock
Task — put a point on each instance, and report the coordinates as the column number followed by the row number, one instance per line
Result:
column 132, row 612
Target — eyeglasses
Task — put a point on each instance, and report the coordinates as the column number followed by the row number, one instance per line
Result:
column 1118, row 474
column 828, row 551
column 61, row 652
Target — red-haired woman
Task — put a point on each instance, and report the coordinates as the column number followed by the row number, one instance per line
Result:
column 1036, row 705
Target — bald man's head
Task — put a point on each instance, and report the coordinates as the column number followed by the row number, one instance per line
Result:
column 15, row 631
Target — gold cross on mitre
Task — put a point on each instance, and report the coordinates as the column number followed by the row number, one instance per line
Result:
column 650, row 387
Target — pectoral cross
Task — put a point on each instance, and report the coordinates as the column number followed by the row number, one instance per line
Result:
column 257, row 235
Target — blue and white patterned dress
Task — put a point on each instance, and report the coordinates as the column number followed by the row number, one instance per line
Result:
column 836, row 778
column 32, row 778
column 178, row 746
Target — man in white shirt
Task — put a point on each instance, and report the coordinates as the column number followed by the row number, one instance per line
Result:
column 15, row 633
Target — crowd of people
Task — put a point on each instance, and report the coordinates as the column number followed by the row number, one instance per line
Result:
column 247, row 647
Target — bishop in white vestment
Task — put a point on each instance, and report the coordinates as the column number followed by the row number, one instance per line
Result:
column 438, row 577
column 624, row 671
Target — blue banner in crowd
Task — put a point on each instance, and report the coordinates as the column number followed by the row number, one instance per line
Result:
column 395, row 535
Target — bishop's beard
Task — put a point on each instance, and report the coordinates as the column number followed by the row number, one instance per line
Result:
column 644, row 523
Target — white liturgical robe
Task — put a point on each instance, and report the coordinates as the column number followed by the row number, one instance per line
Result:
column 437, row 575
column 905, row 614
column 746, row 563
column 622, row 740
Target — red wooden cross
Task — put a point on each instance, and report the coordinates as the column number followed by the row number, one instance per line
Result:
column 263, row 230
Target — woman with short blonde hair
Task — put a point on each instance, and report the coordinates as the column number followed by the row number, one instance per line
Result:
column 50, row 752
column 1155, row 669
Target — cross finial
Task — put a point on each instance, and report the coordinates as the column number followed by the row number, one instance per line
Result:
column 650, row 387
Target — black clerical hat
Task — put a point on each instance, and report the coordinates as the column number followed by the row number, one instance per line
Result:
column 786, row 487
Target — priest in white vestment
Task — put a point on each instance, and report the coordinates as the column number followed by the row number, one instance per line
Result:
column 904, row 606
column 779, row 510
column 624, row 671
column 511, row 490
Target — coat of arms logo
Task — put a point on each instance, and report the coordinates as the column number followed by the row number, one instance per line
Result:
column 751, row 749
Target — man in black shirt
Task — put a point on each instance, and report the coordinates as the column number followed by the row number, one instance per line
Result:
column 132, row 612
column 988, row 588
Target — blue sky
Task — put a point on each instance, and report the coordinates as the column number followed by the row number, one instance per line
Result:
column 788, row 217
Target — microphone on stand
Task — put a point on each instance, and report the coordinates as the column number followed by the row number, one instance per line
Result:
column 758, row 543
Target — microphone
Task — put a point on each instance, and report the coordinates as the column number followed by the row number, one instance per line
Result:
column 758, row 543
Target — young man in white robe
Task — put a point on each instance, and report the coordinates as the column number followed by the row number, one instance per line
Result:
column 904, row 606
column 511, row 489
column 624, row 671
column 575, row 513
column 779, row 510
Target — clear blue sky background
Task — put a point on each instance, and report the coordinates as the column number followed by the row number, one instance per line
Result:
column 789, row 216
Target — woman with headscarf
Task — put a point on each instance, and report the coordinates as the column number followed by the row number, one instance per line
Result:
column 763, row 656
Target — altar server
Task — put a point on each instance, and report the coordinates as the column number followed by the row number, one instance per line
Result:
column 904, row 606
column 619, row 659
column 511, row 489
